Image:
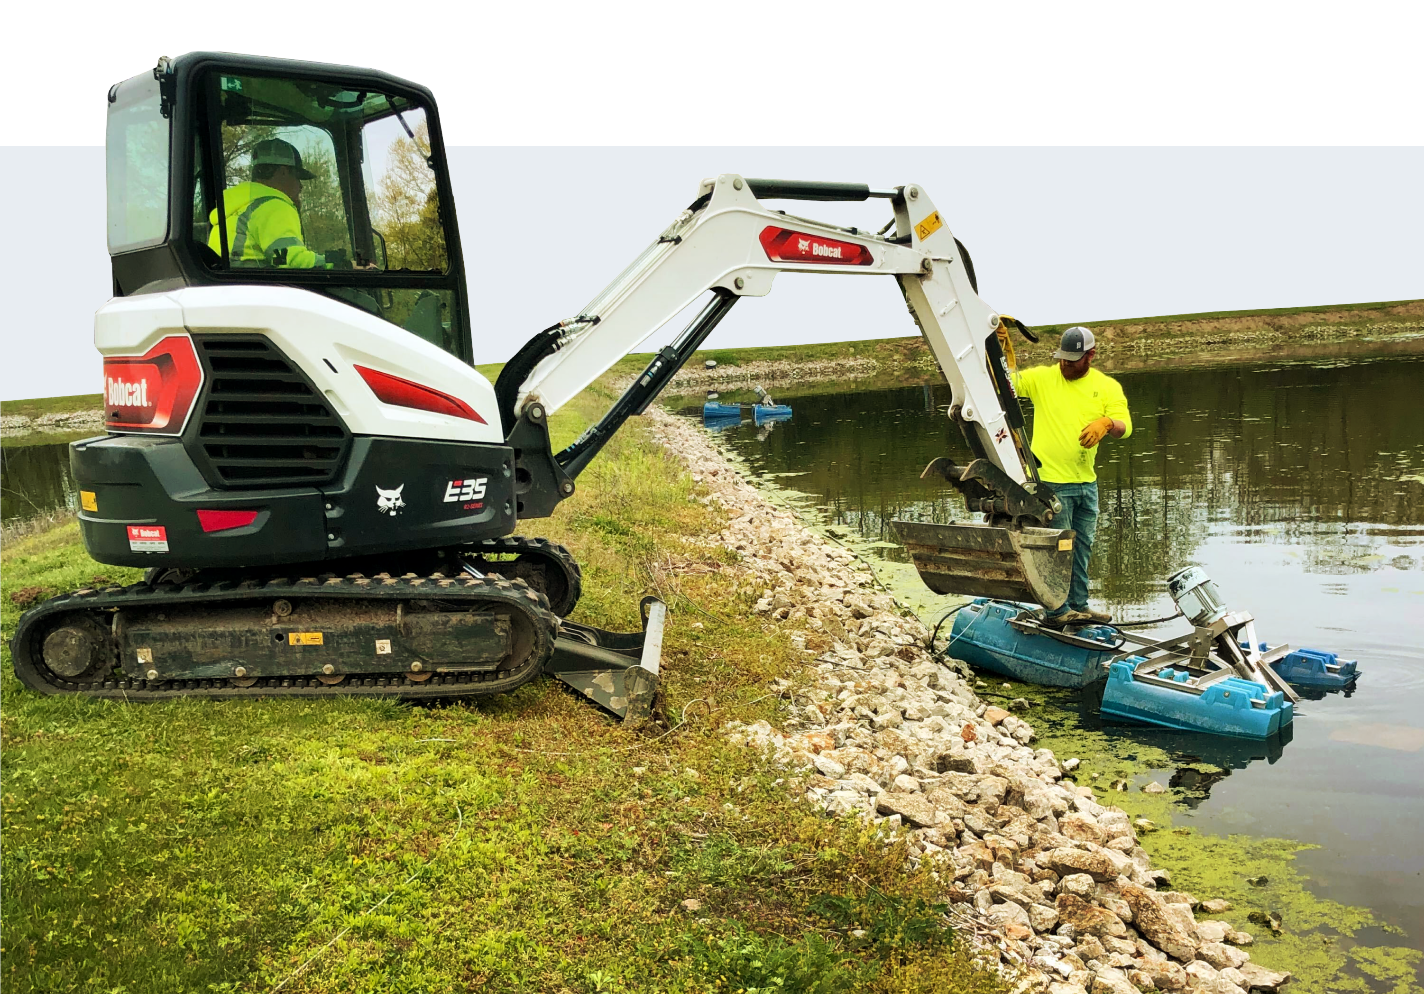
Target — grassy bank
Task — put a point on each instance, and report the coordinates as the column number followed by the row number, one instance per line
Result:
column 522, row 843
column 51, row 405
column 1222, row 336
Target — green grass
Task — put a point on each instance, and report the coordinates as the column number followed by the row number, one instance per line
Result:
column 48, row 438
column 52, row 405
column 523, row 843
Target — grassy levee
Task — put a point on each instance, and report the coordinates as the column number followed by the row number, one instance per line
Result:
column 524, row 843
column 52, row 405
column 1218, row 336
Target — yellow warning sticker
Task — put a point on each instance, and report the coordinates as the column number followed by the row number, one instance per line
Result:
column 88, row 501
column 1065, row 544
column 929, row 226
column 304, row 638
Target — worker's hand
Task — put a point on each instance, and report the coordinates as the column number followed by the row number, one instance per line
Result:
column 1007, row 345
column 1094, row 431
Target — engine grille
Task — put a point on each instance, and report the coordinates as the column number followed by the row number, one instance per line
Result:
column 262, row 423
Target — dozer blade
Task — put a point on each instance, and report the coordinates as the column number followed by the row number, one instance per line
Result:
column 1031, row 565
column 618, row 671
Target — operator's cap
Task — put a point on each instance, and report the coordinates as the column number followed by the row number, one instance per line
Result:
column 275, row 152
column 1076, row 343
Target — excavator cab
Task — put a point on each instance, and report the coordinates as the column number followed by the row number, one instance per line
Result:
column 226, row 169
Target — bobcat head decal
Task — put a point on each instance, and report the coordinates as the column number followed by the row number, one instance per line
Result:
column 389, row 501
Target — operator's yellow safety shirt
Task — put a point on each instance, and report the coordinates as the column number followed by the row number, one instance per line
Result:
column 1061, row 410
column 263, row 229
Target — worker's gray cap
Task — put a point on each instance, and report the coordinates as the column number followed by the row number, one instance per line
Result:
column 275, row 152
column 1077, row 342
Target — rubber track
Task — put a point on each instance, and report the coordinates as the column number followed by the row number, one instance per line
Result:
column 540, row 548
column 478, row 593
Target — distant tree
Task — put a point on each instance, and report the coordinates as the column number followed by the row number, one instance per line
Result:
column 323, row 209
column 406, row 208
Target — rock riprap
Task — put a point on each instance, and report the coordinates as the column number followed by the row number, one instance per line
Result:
column 882, row 730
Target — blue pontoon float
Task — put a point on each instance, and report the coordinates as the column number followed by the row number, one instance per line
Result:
column 1317, row 668
column 713, row 411
column 1211, row 680
column 764, row 410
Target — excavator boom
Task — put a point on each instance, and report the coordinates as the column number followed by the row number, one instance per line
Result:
column 728, row 242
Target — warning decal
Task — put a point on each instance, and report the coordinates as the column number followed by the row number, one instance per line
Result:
column 88, row 501
column 304, row 638
column 929, row 226
column 148, row 538
column 1065, row 545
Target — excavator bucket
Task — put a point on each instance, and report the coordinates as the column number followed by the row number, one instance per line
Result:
column 1029, row 565
column 618, row 671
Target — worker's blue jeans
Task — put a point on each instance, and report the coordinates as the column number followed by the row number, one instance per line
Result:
column 1080, row 513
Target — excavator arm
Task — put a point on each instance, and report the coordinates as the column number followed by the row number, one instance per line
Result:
column 728, row 242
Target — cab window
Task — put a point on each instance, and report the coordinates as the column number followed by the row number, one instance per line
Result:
column 136, row 167
column 317, row 177
column 400, row 187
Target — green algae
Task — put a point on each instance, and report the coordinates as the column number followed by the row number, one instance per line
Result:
column 1389, row 965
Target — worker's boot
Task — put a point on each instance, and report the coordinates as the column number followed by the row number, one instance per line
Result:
column 1067, row 619
column 1098, row 617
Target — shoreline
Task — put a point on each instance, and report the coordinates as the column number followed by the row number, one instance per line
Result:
column 1053, row 885
column 1122, row 346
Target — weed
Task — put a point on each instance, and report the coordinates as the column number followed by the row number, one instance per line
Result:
column 749, row 963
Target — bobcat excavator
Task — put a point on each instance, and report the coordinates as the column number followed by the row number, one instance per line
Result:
column 323, row 489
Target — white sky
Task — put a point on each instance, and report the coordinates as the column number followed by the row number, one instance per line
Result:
column 883, row 94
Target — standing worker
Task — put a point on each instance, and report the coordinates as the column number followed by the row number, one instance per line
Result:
column 1075, row 408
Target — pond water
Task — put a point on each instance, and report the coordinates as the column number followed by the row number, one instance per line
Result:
column 1299, row 486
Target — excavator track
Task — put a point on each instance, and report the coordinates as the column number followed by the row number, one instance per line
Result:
column 546, row 566
column 322, row 636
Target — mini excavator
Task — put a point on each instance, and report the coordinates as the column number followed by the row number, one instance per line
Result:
column 326, row 493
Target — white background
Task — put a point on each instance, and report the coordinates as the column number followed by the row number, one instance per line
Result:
column 539, row 97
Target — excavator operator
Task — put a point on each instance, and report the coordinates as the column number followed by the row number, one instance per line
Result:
column 264, row 228
column 1075, row 408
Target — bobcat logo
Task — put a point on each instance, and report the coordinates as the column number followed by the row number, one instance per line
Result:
column 389, row 501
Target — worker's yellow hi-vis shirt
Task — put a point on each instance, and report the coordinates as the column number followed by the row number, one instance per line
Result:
column 263, row 229
column 1061, row 410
